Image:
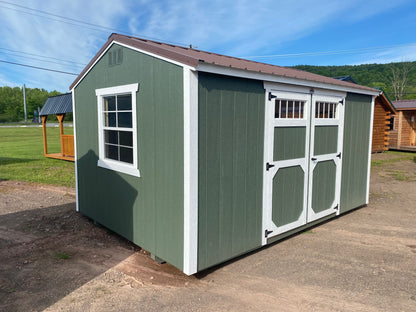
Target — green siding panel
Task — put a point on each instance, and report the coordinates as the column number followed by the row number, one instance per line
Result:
column 357, row 118
column 146, row 210
column 289, row 143
column 323, row 186
column 326, row 140
column 287, row 195
column 230, row 175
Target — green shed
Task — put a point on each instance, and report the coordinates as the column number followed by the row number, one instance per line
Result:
column 199, row 157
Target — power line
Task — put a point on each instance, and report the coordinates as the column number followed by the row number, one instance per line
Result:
column 41, row 68
column 64, row 19
column 44, row 56
column 40, row 60
column 349, row 51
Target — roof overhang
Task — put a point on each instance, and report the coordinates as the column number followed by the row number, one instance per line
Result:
column 171, row 57
column 236, row 72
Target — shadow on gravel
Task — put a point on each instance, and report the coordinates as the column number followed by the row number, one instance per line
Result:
column 47, row 253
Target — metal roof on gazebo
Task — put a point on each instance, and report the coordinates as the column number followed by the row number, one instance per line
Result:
column 59, row 104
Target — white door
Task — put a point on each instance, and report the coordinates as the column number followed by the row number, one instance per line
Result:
column 325, row 156
column 286, row 160
column 302, row 167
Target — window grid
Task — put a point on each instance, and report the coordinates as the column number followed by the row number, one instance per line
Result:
column 326, row 110
column 113, row 127
column 289, row 109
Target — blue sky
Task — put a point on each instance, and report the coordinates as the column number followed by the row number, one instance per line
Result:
column 346, row 32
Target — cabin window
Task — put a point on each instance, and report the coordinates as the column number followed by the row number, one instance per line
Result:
column 391, row 123
column 117, row 128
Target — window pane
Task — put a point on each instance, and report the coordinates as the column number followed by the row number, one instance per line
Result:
column 124, row 120
column 126, row 138
column 126, row 154
column 110, row 136
column 110, row 103
column 110, row 119
column 111, row 151
column 124, row 102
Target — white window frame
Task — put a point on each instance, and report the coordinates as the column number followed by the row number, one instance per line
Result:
column 111, row 164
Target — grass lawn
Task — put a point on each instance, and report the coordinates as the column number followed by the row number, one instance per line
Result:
column 22, row 159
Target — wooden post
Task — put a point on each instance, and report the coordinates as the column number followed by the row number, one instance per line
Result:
column 45, row 143
column 61, row 130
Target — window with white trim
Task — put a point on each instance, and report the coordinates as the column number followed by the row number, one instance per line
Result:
column 117, row 130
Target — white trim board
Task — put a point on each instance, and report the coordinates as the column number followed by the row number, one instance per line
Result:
column 75, row 152
column 190, row 110
column 221, row 70
column 370, row 143
column 134, row 49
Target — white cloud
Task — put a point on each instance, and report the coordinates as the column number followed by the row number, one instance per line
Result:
column 241, row 27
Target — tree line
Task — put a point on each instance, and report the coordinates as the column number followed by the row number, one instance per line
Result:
column 398, row 80
column 11, row 102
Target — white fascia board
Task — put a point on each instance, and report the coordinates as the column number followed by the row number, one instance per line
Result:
column 235, row 72
column 190, row 127
column 75, row 151
column 281, row 87
column 131, row 48
column 370, row 143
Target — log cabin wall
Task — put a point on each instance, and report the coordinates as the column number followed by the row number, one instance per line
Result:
column 380, row 127
column 394, row 133
column 407, row 129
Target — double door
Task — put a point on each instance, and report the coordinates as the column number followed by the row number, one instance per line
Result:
column 302, row 162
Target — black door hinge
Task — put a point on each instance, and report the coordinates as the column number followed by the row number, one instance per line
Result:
column 268, row 166
column 341, row 102
column 313, row 158
column 271, row 96
column 336, row 207
column 266, row 233
column 339, row 155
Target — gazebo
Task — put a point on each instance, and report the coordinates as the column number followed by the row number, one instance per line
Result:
column 58, row 105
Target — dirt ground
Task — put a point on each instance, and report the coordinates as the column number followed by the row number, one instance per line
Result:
column 54, row 259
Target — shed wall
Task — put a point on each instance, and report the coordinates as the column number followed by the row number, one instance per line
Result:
column 357, row 119
column 146, row 210
column 230, row 173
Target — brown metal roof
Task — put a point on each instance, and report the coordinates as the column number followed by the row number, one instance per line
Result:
column 405, row 104
column 193, row 57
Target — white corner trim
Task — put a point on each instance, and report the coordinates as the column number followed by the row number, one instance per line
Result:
column 190, row 111
column 370, row 143
column 75, row 150
column 235, row 72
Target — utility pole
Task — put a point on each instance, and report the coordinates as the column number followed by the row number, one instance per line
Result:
column 24, row 101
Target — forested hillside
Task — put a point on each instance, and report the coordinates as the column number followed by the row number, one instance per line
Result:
column 374, row 75
column 11, row 102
